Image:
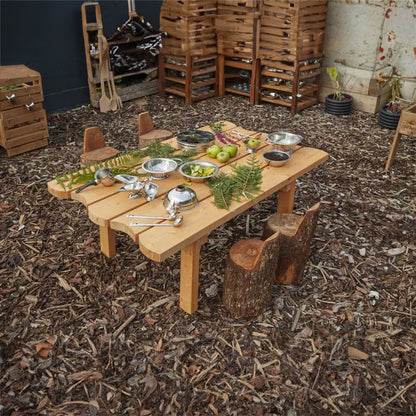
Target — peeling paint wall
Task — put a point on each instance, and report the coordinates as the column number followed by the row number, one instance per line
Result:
column 365, row 37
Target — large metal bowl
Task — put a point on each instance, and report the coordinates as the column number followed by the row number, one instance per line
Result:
column 286, row 142
column 180, row 198
column 196, row 140
column 159, row 167
column 184, row 170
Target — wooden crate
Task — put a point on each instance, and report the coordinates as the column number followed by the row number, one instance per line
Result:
column 23, row 123
column 188, row 76
column 238, row 26
column 291, row 48
column 238, row 76
column 186, row 8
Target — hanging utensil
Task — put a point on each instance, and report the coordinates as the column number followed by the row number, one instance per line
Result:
column 105, row 101
column 103, row 176
column 176, row 223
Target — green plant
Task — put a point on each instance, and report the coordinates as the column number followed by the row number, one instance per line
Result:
column 244, row 182
column 334, row 75
column 396, row 83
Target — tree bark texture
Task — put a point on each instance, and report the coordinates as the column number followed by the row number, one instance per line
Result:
column 249, row 276
column 295, row 238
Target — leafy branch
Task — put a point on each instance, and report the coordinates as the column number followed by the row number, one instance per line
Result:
column 244, row 182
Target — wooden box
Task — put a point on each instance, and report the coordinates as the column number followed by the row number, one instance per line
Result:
column 23, row 123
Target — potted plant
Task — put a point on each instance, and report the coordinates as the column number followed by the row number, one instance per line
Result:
column 389, row 114
column 337, row 103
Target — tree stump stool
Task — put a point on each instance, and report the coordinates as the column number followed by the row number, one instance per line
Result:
column 95, row 149
column 296, row 232
column 147, row 134
column 249, row 276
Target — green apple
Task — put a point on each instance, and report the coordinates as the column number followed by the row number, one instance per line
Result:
column 253, row 143
column 213, row 151
column 223, row 157
column 230, row 148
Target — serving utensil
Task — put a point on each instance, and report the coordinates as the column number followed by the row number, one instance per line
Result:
column 173, row 214
column 176, row 223
column 103, row 176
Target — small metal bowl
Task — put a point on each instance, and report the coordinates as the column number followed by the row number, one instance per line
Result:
column 276, row 157
column 184, row 170
column 286, row 142
column 180, row 198
column 159, row 167
column 196, row 140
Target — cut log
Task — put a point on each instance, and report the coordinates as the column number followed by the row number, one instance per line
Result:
column 147, row 134
column 296, row 232
column 249, row 276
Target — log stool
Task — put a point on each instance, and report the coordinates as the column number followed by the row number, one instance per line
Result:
column 296, row 232
column 249, row 276
column 95, row 148
column 147, row 134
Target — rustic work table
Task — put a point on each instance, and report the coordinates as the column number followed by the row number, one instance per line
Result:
column 107, row 207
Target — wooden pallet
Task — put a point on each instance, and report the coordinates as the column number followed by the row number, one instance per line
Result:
column 188, row 76
column 23, row 123
column 186, row 8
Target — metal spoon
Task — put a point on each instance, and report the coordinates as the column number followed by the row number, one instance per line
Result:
column 103, row 176
column 172, row 216
column 176, row 223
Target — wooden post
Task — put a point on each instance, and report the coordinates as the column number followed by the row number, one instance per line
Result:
column 190, row 276
column 220, row 76
column 161, row 74
column 286, row 199
column 107, row 241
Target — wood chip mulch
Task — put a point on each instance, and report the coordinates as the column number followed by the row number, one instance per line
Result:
column 81, row 334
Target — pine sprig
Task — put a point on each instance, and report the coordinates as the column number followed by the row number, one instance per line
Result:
column 244, row 182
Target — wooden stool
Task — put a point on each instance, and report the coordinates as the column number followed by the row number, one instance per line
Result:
column 147, row 134
column 249, row 276
column 407, row 126
column 296, row 232
column 95, row 148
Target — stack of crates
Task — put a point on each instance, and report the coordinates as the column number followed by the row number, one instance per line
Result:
column 23, row 124
column 187, row 62
column 238, row 25
column 291, row 48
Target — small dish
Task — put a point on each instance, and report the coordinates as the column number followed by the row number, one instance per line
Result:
column 276, row 157
column 200, row 166
column 286, row 142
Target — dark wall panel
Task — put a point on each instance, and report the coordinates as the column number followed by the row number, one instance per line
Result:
column 47, row 36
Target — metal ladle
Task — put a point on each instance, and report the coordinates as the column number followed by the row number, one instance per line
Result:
column 176, row 223
column 102, row 175
column 172, row 215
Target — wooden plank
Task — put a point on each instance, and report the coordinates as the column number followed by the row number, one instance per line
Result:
column 27, row 138
column 20, row 131
column 27, row 147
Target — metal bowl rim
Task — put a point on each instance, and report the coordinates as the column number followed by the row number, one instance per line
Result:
column 161, row 159
column 297, row 138
column 202, row 163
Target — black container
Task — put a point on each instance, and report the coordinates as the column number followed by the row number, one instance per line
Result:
column 388, row 119
column 338, row 107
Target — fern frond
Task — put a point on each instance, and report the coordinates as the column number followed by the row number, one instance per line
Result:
column 248, row 179
column 222, row 187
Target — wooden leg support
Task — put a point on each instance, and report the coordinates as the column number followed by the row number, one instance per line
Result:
column 286, row 199
column 393, row 150
column 190, row 276
column 107, row 241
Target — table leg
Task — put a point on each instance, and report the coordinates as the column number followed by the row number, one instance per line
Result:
column 107, row 241
column 286, row 199
column 190, row 276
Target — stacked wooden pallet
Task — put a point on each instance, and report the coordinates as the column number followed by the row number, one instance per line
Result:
column 238, row 25
column 23, row 124
column 290, row 49
column 187, row 63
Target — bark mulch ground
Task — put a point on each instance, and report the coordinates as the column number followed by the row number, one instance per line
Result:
column 81, row 334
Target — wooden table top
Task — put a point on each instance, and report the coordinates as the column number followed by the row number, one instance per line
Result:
column 107, row 207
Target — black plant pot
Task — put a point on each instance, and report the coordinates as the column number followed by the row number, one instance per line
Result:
column 338, row 107
column 388, row 119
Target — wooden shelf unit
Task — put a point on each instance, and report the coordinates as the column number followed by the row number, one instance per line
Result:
column 91, row 31
column 23, row 123
column 191, row 77
column 238, row 76
column 187, row 63
column 290, row 49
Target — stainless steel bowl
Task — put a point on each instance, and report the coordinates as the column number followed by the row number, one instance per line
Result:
column 276, row 157
column 184, row 170
column 181, row 198
column 159, row 168
column 196, row 140
column 286, row 142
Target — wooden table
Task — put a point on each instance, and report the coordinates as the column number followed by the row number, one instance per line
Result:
column 107, row 207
